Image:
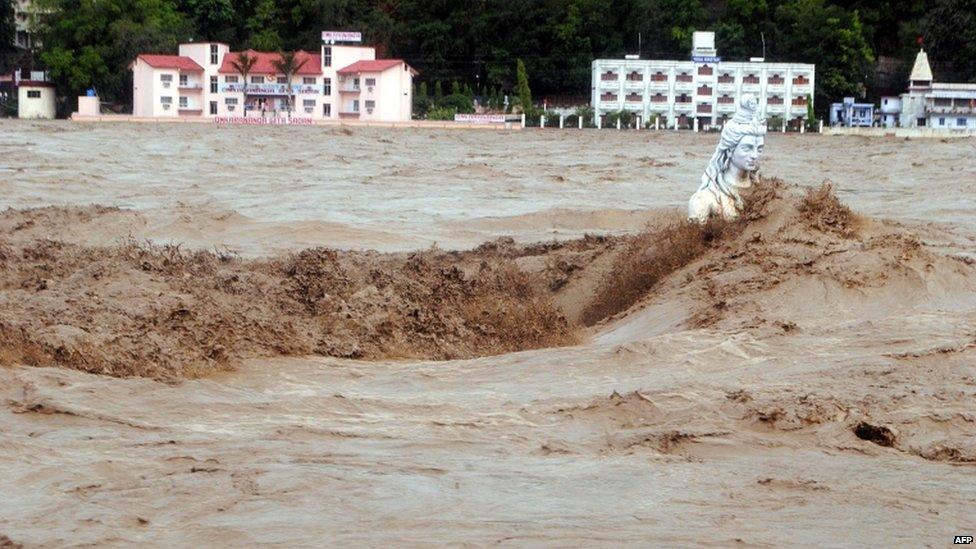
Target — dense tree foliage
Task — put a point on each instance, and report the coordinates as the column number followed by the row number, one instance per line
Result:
column 476, row 42
column 8, row 27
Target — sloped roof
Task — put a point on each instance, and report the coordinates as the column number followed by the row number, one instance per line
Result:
column 921, row 70
column 376, row 65
column 265, row 62
column 178, row 62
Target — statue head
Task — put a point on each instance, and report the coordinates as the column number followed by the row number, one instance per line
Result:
column 740, row 145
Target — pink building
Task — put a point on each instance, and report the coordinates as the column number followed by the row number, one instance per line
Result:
column 339, row 81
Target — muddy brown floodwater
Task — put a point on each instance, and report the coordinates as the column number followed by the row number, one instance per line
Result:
column 179, row 305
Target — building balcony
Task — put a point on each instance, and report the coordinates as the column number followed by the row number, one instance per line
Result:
column 725, row 86
column 776, row 108
column 349, row 114
column 749, row 87
column 659, row 84
column 350, row 89
column 609, row 105
column 684, row 107
column 190, row 87
column 634, row 85
column 684, row 85
column 775, row 88
column 190, row 110
column 725, row 107
column 660, row 106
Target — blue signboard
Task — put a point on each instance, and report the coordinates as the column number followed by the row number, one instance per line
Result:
column 706, row 59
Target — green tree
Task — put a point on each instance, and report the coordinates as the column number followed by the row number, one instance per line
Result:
column 89, row 43
column 264, row 32
column 8, row 29
column 288, row 64
column 522, row 90
column 455, row 88
column 244, row 63
column 438, row 93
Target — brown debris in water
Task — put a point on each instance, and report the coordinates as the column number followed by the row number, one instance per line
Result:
column 822, row 210
column 163, row 312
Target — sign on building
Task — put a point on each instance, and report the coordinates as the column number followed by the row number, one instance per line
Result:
column 706, row 59
column 480, row 118
column 331, row 37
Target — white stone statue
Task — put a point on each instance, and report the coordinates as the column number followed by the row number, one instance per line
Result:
column 732, row 167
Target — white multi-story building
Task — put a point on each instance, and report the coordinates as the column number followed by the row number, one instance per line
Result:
column 703, row 88
column 934, row 104
column 340, row 81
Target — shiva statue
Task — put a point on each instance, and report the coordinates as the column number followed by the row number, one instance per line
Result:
column 732, row 167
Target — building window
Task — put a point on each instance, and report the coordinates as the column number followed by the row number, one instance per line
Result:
column 634, row 97
column 961, row 122
column 326, row 86
column 659, row 77
column 166, row 100
column 801, row 80
column 33, row 94
column 213, row 107
column 213, row 84
column 725, row 100
column 309, row 80
column 704, row 108
column 230, row 79
column 370, row 104
column 726, row 79
column 282, row 80
column 683, row 98
column 942, row 121
column 166, row 79
column 213, row 54
column 370, row 81
column 635, row 76
column 326, row 109
column 327, row 56
column 308, row 102
column 750, row 79
column 183, row 102
column 775, row 100
column 684, row 77
column 183, row 80
column 257, row 80
column 943, row 102
column 608, row 76
column 704, row 90
column 608, row 97
column 775, row 80
column 658, row 98
column 230, row 101
column 705, row 70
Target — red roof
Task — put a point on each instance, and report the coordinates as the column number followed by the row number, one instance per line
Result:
column 265, row 62
column 178, row 62
column 378, row 65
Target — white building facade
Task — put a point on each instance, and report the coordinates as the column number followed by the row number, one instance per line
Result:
column 338, row 82
column 703, row 88
column 934, row 104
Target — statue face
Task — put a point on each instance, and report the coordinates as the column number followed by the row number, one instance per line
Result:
column 746, row 154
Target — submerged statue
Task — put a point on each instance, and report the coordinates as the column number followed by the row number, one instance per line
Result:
column 732, row 167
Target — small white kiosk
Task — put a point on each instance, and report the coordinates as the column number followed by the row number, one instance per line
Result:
column 35, row 99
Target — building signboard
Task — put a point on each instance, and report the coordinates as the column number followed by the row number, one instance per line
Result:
column 480, row 118
column 269, row 89
column 331, row 37
column 706, row 59
column 262, row 121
